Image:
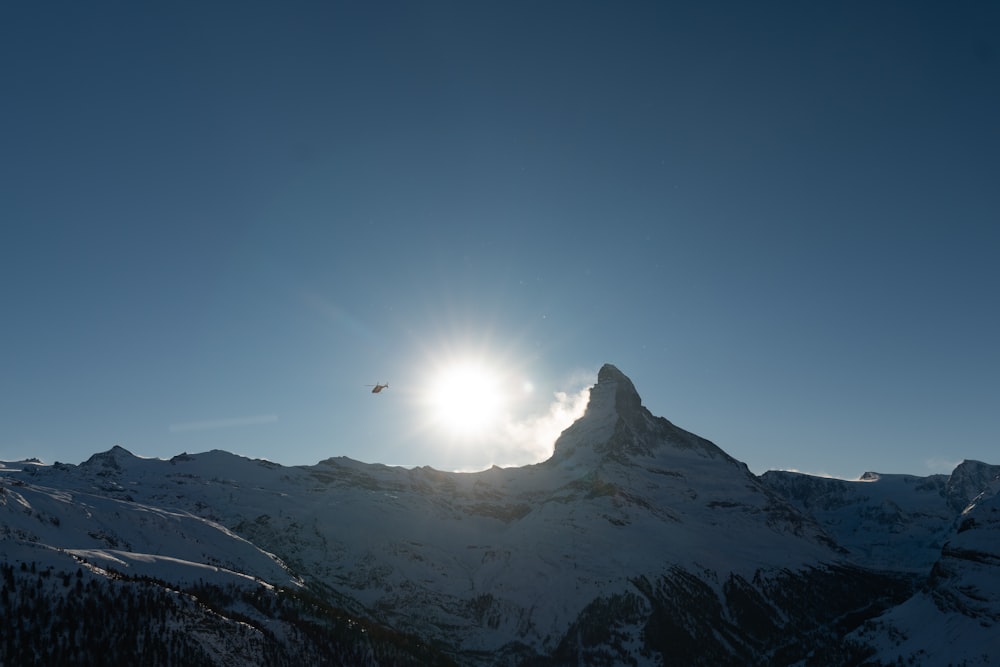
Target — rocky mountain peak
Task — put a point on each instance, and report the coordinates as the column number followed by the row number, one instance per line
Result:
column 968, row 480
column 616, row 425
column 113, row 458
column 627, row 401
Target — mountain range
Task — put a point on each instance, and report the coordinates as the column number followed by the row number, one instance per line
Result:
column 636, row 543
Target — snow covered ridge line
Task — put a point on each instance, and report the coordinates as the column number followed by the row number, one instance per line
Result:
column 637, row 543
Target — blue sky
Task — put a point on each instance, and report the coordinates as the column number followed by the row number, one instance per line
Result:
column 223, row 220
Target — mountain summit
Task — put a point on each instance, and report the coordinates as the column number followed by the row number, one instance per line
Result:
column 616, row 425
column 627, row 401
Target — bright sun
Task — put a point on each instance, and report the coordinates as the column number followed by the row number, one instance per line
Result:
column 467, row 399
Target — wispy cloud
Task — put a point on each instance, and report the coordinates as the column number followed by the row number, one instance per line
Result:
column 531, row 439
column 222, row 423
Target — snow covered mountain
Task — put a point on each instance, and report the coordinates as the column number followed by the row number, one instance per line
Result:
column 636, row 543
column 945, row 529
column 93, row 576
column 897, row 522
column 955, row 616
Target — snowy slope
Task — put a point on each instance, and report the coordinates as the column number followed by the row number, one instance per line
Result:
column 895, row 522
column 636, row 543
column 134, row 537
column 885, row 521
column 114, row 580
column 955, row 618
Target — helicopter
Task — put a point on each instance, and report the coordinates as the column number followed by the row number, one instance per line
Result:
column 378, row 387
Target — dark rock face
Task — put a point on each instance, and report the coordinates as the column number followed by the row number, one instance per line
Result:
column 775, row 619
column 628, row 405
column 969, row 560
column 967, row 481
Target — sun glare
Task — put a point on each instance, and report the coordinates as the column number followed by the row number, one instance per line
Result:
column 467, row 399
